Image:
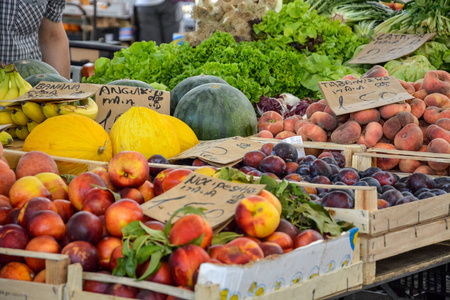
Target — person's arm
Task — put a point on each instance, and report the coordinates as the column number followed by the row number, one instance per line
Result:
column 54, row 46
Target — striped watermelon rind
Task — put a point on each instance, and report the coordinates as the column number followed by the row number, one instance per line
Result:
column 217, row 110
column 28, row 67
column 33, row 80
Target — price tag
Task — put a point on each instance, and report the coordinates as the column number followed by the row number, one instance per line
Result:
column 56, row 91
column 221, row 152
column 346, row 96
column 114, row 100
column 219, row 197
column 388, row 46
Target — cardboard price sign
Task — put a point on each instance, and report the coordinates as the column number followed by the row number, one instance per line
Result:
column 221, row 152
column 346, row 96
column 114, row 100
column 54, row 91
column 388, row 46
column 219, row 197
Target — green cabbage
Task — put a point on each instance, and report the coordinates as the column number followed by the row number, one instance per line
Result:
column 410, row 69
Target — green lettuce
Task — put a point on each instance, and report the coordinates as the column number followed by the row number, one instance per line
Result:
column 410, row 69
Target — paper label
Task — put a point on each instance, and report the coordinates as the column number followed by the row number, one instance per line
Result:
column 296, row 140
column 346, row 96
column 388, row 46
column 114, row 100
column 219, row 197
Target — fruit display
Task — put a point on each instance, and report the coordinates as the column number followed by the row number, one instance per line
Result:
column 29, row 67
column 229, row 112
column 13, row 85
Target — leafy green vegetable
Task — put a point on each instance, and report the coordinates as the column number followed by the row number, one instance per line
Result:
column 437, row 53
column 409, row 69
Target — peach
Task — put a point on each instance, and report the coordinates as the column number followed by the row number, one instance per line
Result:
column 84, row 253
column 256, row 216
column 105, row 248
column 284, row 135
column 349, row 77
column 408, row 165
column 17, row 271
column 417, row 107
column 393, row 125
column 371, row 134
column 40, row 277
column 436, row 81
column 191, row 227
column 128, row 169
column 47, row 222
column 438, row 145
column 271, row 121
column 173, row 178
column 35, row 162
column 122, row 291
column 283, row 239
column 386, row 163
column 313, row 107
column 390, row 110
column 324, row 120
column 97, row 201
column 425, row 169
column 184, row 263
column 347, row 133
column 7, row 178
column 157, row 181
column 15, row 237
column 443, row 123
column 438, row 100
column 81, row 185
column 272, row 199
column 132, row 193
column 120, row 214
column 27, row 188
column 240, row 251
column 289, row 124
column 33, row 206
column 300, row 123
column 375, row 71
column 98, row 287
column 409, row 138
column 421, row 94
column 433, row 113
column 407, row 86
column 161, row 275
column 312, row 132
column 265, row 134
column 147, row 190
column 41, row 243
column 103, row 173
column 365, row 116
column 435, row 131
column 54, row 184
column 306, row 237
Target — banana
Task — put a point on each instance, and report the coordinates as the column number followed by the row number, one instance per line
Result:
column 4, row 87
column 13, row 91
column 31, row 125
column 88, row 108
column 49, row 109
column 22, row 132
column 33, row 111
column 18, row 117
column 5, row 138
column 12, row 132
column 5, row 117
column 23, row 85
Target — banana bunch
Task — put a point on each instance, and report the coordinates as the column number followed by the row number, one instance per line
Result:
column 87, row 107
column 6, row 138
column 12, row 85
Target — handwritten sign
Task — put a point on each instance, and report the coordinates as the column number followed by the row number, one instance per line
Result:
column 114, row 100
column 346, row 96
column 388, row 46
column 219, row 197
column 221, row 152
column 45, row 91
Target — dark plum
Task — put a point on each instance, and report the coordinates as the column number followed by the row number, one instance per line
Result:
column 334, row 170
column 253, row 158
column 406, row 193
column 392, row 196
column 421, row 190
column 286, row 151
column 425, row 195
column 303, row 170
column 319, row 167
column 401, row 186
column 329, row 160
column 320, row 179
column 338, row 199
column 370, row 171
column 406, row 199
column 307, row 160
column 372, row 182
column 247, row 169
column 438, row 192
column 273, row 164
column 420, row 180
column 384, row 177
column 386, row 188
column 157, row 159
column 339, row 158
column 348, row 175
column 439, row 180
column 403, row 179
column 361, row 183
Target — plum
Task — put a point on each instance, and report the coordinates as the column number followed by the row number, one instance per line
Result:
column 348, row 175
column 384, row 177
column 273, row 164
column 286, row 151
column 320, row 167
column 337, row 199
column 372, row 182
column 369, row 172
column 392, row 196
column 420, row 180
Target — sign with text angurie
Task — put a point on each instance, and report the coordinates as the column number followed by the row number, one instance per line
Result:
column 388, row 46
column 114, row 100
column 346, row 96
column 219, row 197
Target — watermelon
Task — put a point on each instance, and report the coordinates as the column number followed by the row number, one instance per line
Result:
column 35, row 79
column 28, row 67
column 188, row 84
column 131, row 82
column 217, row 110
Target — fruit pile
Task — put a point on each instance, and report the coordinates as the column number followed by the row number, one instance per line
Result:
column 96, row 219
column 419, row 124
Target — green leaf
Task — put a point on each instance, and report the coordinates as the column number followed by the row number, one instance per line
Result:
column 197, row 241
column 126, row 250
column 68, row 177
column 157, row 234
column 144, row 253
column 183, row 210
column 119, row 270
column 153, row 266
column 224, row 237
column 117, row 196
column 133, row 228
column 130, row 264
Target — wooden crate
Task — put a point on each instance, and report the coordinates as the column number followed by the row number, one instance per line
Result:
column 346, row 150
column 321, row 287
column 56, row 278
